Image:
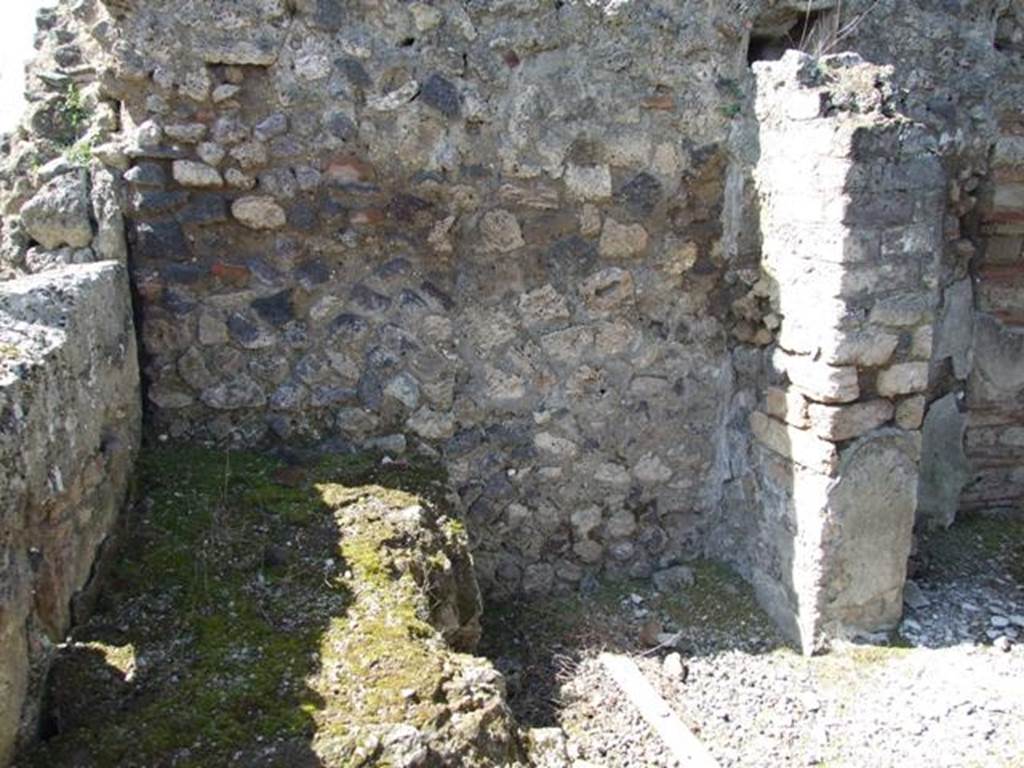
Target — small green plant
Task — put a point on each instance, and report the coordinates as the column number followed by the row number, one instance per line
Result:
column 75, row 111
column 731, row 110
column 80, row 153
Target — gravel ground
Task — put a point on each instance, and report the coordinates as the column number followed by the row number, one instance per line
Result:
column 946, row 689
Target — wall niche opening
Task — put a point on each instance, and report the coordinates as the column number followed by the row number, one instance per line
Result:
column 812, row 28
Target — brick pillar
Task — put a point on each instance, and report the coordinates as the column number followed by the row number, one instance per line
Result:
column 851, row 200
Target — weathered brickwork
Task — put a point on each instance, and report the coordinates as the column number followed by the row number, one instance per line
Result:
column 995, row 428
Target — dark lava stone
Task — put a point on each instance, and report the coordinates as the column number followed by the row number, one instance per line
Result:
column 330, row 14
column 354, row 71
column 369, row 299
column 242, row 329
column 151, row 202
column 184, row 274
column 349, row 325
column 146, row 175
column 394, row 268
column 302, row 216
column 440, row 94
column 641, row 193
column 404, row 208
column 435, row 293
column 160, row 240
column 411, row 300
column 312, row 273
column 178, row 302
column 341, row 126
column 205, row 209
column 277, row 309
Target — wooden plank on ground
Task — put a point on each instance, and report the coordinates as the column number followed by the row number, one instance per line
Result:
column 683, row 745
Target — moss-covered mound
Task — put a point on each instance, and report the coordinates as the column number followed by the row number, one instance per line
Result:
column 266, row 614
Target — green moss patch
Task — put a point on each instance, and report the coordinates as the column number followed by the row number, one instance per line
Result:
column 990, row 537
column 253, row 619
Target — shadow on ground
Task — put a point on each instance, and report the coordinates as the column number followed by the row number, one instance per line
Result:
column 209, row 642
column 538, row 643
column 736, row 659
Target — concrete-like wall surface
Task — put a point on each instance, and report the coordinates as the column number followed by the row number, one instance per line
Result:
column 70, row 423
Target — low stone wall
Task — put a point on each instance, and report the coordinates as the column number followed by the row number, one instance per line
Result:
column 851, row 200
column 70, row 421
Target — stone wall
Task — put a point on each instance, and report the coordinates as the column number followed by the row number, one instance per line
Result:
column 524, row 236
column 960, row 70
column 70, row 422
column 489, row 231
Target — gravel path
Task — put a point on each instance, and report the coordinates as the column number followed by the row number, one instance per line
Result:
column 946, row 690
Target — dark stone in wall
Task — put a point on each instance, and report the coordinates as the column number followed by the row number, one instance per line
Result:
column 146, row 175
column 341, row 126
column 349, row 326
column 302, row 216
column 409, row 299
column 277, row 309
column 242, row 330
column 440, row 94
column 394, row 268
column 312, row 273
column 272, row 127
column 205, row 209
column 404, row 208
column 159, row 240
column 155, row 202
column 641, row 194
column 185, row 274
column 178, row 301
column 369, row 299
column 263, row 271
column 354, row 71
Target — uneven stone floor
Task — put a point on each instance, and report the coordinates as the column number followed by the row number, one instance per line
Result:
column 947, row 689
column 263, row 613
